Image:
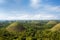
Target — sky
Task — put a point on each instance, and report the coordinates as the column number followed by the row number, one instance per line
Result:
column 29, row 9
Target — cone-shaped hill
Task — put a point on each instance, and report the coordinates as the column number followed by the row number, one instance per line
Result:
column 56, row 27
column 15, row 27
column 50, row 24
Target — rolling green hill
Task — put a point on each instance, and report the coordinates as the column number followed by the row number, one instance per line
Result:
column 16, row 26
column 56, row 27
column 50, row 24
column 30, row 30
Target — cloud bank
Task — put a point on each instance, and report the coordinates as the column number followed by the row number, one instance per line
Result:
column 25, row 16
column 34, row 10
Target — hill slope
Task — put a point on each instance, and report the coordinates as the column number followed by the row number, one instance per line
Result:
column 16, row 26
column 50, row 24
column 56, row 27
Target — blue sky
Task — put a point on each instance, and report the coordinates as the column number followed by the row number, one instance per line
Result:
column 29, row 9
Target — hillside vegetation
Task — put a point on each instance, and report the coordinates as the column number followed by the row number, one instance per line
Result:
column 15, row 27
column 56, row 27
column 30, row 30
column 50, row 24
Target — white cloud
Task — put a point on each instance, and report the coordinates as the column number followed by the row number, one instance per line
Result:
column 35, row 3
column 42, row 15
column 52, row 8
column 43, row 12
column 38, row 4
column 27, row 17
